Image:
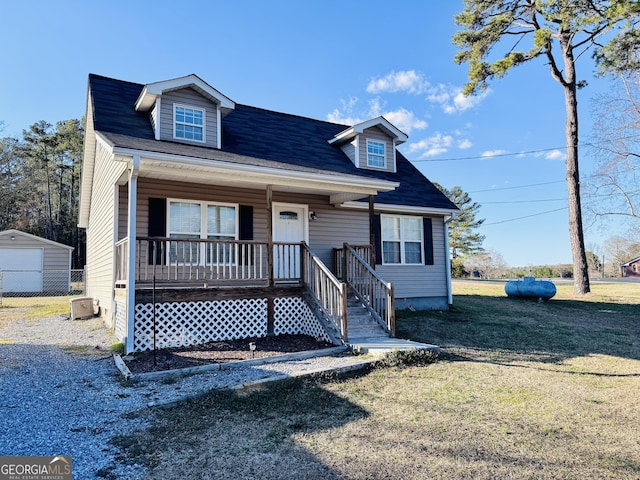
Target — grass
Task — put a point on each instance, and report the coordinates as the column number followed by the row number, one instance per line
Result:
column 522, row 390
column 32, row 308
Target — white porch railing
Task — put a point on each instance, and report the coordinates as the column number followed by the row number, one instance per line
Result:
column 216, row 262
column 173, row 260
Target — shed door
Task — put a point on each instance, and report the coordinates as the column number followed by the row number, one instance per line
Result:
column 21, row 269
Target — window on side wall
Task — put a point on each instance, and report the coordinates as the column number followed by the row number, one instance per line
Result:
column 202, row 221
column 375, row 154
column 189, row 123
column 402, row 240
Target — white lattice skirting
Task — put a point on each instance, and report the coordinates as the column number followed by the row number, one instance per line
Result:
column 121, row 320
column 180, row 324
column 293, row 315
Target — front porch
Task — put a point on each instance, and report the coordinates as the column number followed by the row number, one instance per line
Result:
column 182, row 292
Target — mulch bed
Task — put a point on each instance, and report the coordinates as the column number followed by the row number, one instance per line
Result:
column 221, row 352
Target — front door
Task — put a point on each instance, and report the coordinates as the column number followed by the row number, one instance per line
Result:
column 290, row 227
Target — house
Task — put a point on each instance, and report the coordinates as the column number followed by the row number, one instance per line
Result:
column 31, row 264
column 631, row 268
column 207, row 219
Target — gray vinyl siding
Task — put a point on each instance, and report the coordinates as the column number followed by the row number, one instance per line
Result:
column 101, row 229
column 54, row 257
column 411, row 281
column 190, row 98
column 330, row 230
column 377, row 135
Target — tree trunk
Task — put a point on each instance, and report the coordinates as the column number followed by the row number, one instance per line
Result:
column 576, row 235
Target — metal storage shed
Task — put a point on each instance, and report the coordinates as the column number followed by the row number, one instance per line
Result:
column 31, row 264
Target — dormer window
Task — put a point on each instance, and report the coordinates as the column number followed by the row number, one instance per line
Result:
column 188, row 123
column 375, row 154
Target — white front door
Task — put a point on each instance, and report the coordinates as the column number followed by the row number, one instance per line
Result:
column 290, row 227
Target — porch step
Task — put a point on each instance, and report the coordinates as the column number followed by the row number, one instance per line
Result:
column 361, row 324
column 382, row 346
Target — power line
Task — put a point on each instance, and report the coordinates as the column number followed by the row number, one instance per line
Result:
column 526, row 216
column 585, row 196
column 479, row 157
column 527, row 152
column 517, row 186
column 527, row 201
column 535, row 214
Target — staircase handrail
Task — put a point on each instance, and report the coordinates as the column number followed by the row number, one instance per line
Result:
column 372, row 290
column 329, row 293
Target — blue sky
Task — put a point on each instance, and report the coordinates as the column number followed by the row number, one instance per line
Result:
column 334, row 60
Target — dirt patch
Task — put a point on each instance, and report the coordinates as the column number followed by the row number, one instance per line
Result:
column 221, row 352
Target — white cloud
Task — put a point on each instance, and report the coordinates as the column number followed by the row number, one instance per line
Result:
column 452, row 100
column 493, row 153
column 432, row 146
column 402, row 118
column 405, row 120
column 555, row 155
column 404, row 81
column 344, row 115
column 464, row 144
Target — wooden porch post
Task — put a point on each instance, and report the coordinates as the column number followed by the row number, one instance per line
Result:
column 270, row 282
column 372, row 233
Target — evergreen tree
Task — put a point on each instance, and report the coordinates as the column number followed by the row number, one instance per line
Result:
column 559, row 32
column 464, row 239
column 39, row 183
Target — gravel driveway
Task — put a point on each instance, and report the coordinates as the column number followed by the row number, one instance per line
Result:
column 62, row 394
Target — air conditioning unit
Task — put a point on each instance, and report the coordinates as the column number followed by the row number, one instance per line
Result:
column 82, row 308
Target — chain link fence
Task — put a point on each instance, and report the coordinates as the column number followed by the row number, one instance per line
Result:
column 41, row 283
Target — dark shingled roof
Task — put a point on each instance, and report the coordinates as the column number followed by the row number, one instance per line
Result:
column 262, row 134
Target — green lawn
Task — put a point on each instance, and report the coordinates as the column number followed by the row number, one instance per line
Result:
column 30, row 308
column 522, row 390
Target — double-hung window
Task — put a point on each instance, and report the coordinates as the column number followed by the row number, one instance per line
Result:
column 375, row 154
column 402, row 240
column 202, row 221
column 188, row 123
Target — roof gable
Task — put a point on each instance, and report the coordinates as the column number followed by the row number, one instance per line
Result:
column 630, row 262
column 382, row 123
column 13, row 232
column 151, row 91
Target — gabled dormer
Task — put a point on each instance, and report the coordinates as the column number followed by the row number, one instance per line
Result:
column 371, row 144
column 185, row 109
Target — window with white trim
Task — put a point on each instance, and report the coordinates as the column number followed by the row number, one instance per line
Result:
column 188, row 123
column 402, row 240
column 202, row 221
column 375, row 154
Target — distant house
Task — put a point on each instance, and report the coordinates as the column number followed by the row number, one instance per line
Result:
column 631, row 268
column 31, row 264
column 248, row 222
